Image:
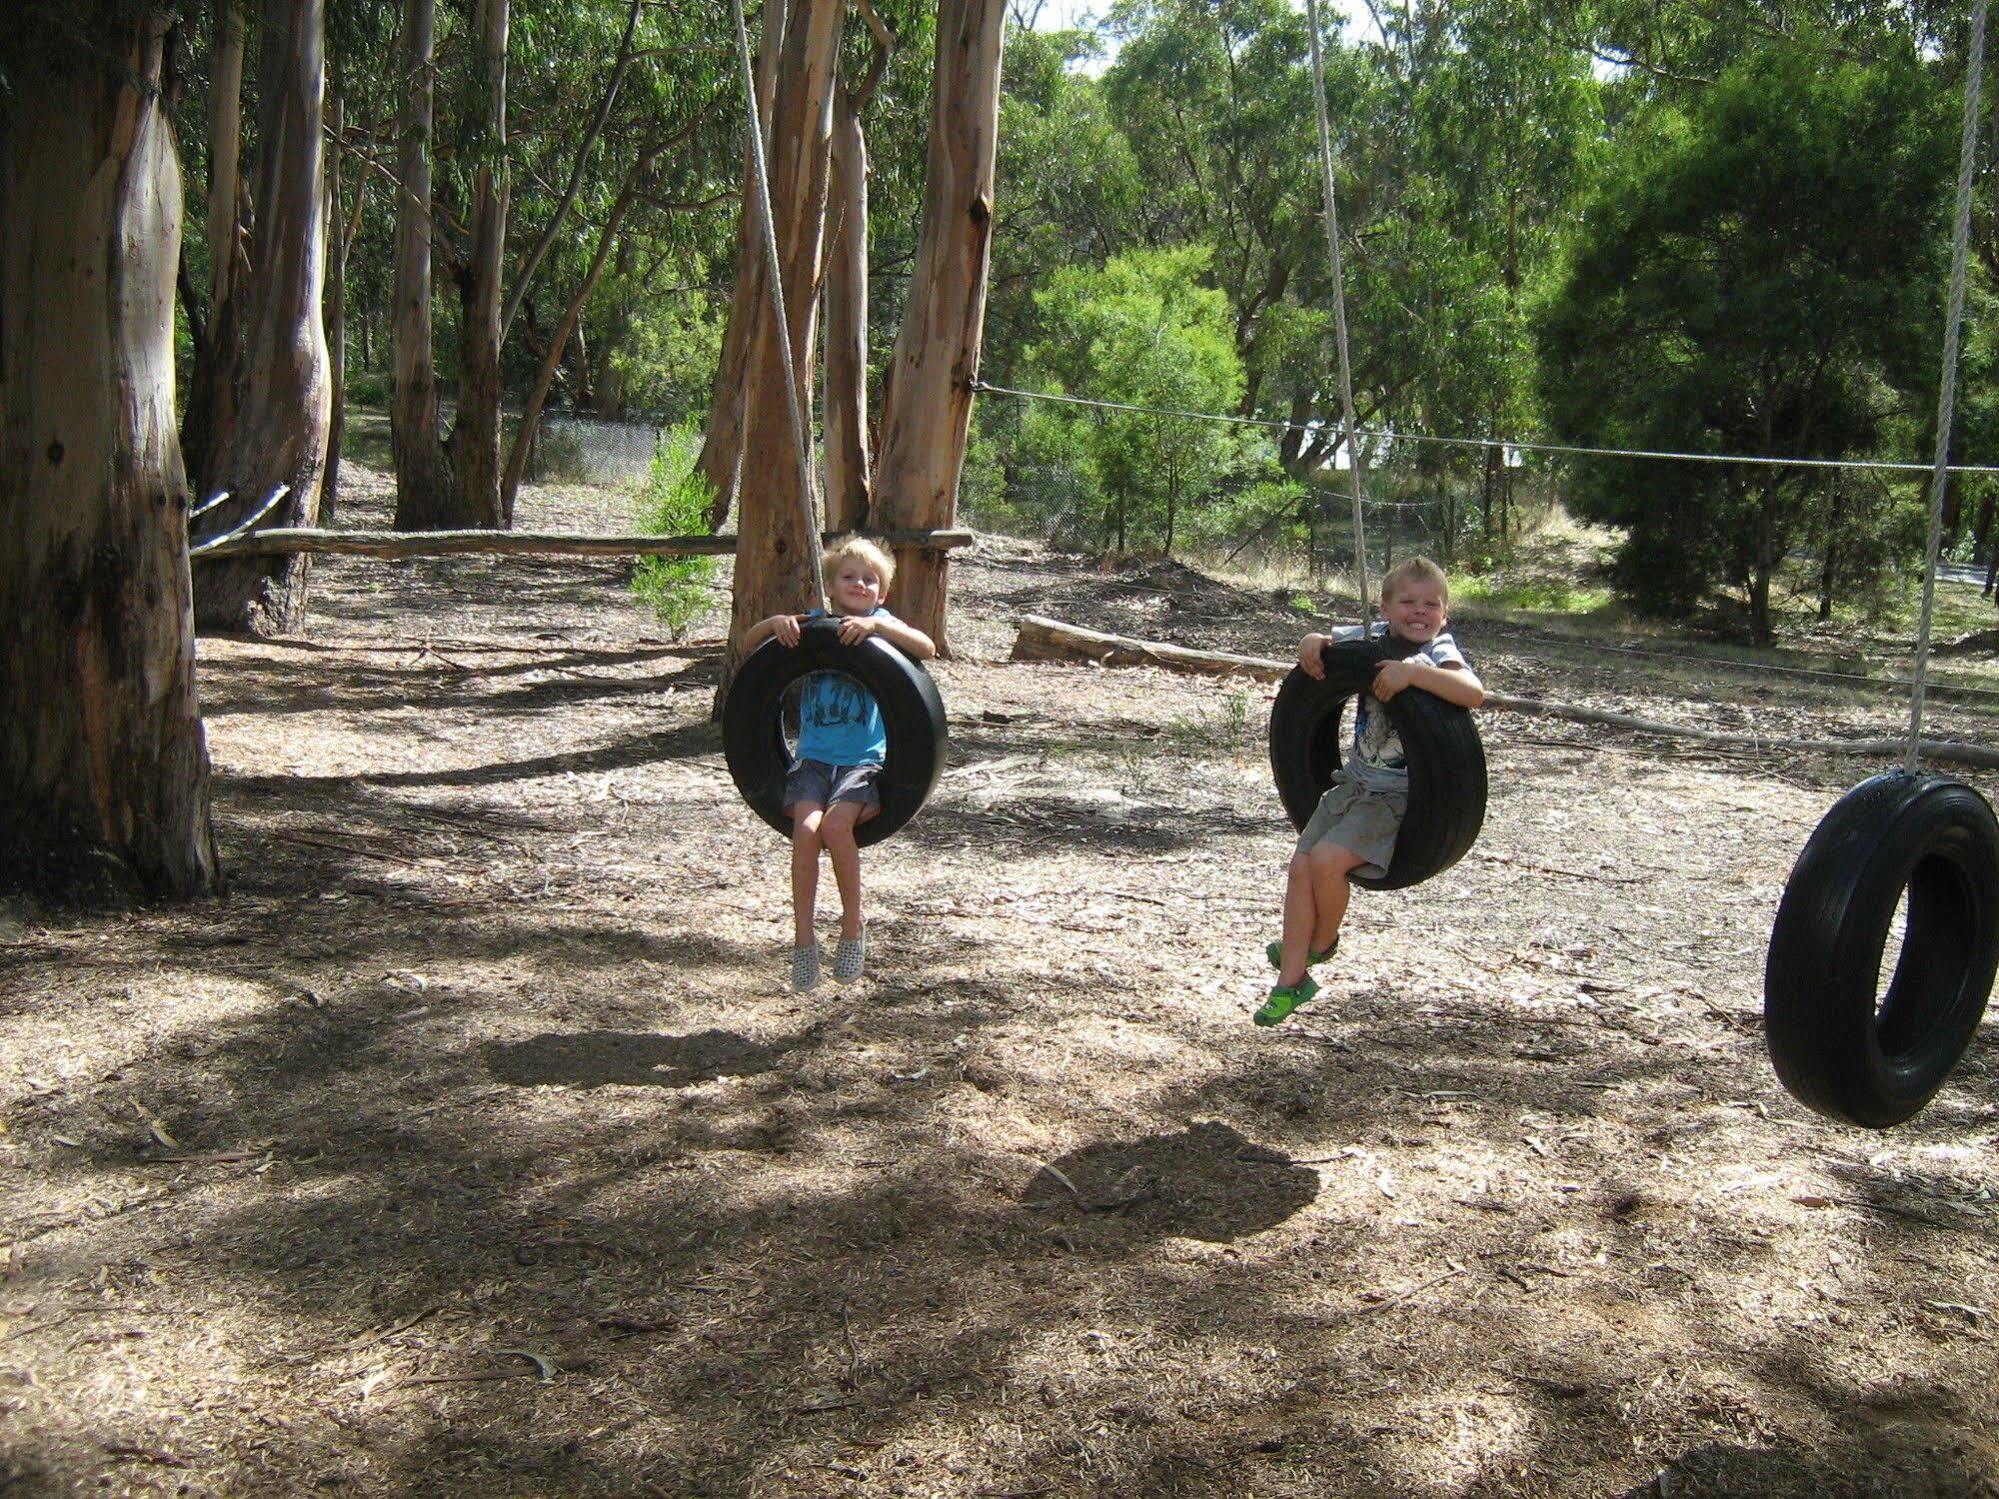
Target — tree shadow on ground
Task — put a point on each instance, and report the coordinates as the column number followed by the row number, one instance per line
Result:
column 1205, row 1182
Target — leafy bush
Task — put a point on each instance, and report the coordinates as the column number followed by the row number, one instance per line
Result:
column 368, row 388
column 674, row 502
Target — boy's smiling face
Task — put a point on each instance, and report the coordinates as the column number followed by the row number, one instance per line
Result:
column 857, row 588
column 1415, row 610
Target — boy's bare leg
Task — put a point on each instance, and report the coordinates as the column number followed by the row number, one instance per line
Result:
column 807, row 819
column 1300, row 918
column 837, row 832
column 1329, row 871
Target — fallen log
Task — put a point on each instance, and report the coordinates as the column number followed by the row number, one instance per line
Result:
column 1044, row 639
column 287, row 539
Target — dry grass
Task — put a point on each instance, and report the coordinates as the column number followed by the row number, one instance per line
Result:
column 469, row 1144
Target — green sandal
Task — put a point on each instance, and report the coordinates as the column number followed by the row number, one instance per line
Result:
column 1275, row 952
column 1284, row 999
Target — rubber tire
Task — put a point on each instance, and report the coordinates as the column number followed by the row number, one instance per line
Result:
column 1833, row 1050
column 912, row 712
column 1447, row 778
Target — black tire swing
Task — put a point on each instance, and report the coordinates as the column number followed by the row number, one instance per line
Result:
column 1907, row 839
column 912, row 712
column 752, row 713
column 1447, row 778
column 1833, row 1047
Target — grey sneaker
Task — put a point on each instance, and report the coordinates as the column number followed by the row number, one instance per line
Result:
column 805, row 967
column 849, row 957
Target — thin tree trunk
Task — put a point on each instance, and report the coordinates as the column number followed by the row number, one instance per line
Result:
column 423, row 467
column 279, row 436
column 336, row 298
column 475, row 434
column 721, row 456
column 524, row 436
column 847, row 321
column 216, row 378
column 927, row 413
column 777, row 551
column 103, row 762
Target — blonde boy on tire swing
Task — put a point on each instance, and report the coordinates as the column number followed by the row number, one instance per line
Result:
column 832, row 785
column 1359, row 816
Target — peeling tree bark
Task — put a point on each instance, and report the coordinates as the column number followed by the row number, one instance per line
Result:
column 218, row 356
column 278, row 435
column 847, row 321
column 103, row 763
column 777, row 554
column 722, row 442
column 423, row 467
column 927, row 412
column 475, row 435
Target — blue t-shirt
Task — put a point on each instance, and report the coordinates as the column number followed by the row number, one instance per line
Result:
column 839, row 721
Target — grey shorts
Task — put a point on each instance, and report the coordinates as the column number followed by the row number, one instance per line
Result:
column 816, row 781
column 1357, row 818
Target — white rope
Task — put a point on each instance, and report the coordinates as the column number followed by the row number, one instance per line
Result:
column 1523, row 445
column 808, row 508
column 1340, row 317
column 1960, row 237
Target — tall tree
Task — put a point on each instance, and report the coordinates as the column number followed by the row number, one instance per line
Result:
column 927, row 408
column 103, row 762
column 1761, row 275
column 475, row 433
column 217, row 376
column 277, row 433
column 424, row 491
column 777, row 554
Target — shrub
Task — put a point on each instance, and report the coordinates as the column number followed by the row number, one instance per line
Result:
column 674, row 502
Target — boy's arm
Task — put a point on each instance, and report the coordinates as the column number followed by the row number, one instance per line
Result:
column 784, row 626
column 1311, row 655
column 911, row 641
column 1454, row 684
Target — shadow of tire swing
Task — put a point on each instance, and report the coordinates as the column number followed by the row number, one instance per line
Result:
column 912, row 712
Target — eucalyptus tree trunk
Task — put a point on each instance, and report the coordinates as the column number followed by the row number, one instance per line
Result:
column 475, row 435
column 103, row 764
column 424, row 495
column 847, row 321
column 777, row 552
column 218, row 357
column 927, row 410
column 278, row 435
column 340, row 234
column 721, row 453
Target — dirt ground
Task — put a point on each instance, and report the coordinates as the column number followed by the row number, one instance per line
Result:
column 470, row 1143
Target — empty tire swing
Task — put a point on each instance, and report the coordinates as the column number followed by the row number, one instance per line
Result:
column 1919, row 842
column 753, row 723
column 1446, row 758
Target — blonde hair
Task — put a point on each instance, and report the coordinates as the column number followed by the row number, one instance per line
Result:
column 1415, row 570
column 857, row 549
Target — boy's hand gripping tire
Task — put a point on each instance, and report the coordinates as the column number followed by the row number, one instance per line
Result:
column 1833, row 1047
column 913, row 713
column 1447, row 783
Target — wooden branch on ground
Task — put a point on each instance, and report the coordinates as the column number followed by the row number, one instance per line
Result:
column 279, row 540
column 1043, row 639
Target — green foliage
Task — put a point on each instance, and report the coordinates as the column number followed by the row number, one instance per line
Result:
column 1140, row 331
column 368, row 388
column 675, row 503
column 1758, row 276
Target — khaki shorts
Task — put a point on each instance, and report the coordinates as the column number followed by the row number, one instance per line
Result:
column 1357, row 818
